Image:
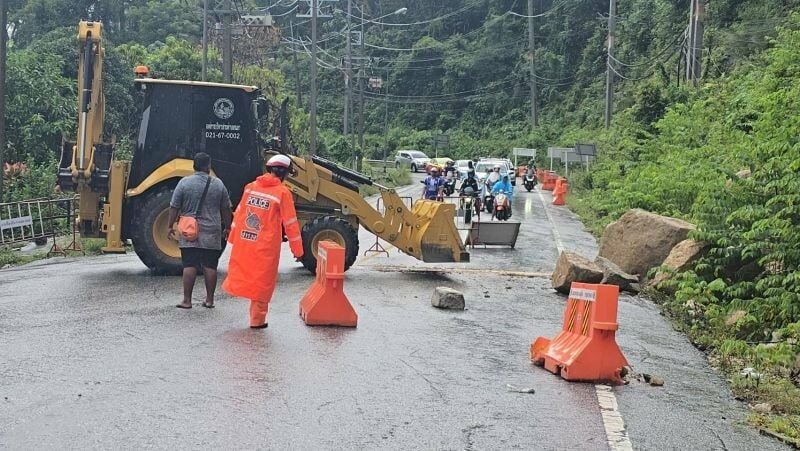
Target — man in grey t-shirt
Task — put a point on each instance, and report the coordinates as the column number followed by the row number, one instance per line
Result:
column 213, row 224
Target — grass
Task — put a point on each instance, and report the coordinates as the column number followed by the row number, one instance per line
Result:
column 391, row 178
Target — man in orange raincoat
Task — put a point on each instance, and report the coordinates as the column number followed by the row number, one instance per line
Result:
column 265, row 211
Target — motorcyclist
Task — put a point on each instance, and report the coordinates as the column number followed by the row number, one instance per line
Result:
column 506, row 187
column 470, row 182
column 450, row 169
column 494, row 176
column 434, row 185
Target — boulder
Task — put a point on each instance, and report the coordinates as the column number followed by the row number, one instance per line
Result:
column 641, row 240
column 680, row 259
column 614, row 275
column 571, row 267
column 447, row 298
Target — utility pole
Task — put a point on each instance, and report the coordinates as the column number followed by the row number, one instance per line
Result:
column 313, row 115
column 697, row 39
column 361, row 95
column 612, row 22
column 690, row 41
column 3, row 39
column 296, row 67
column 386, row 117
column 227, row 44
column 348, row 73
column 531, row 48
column 205, row 40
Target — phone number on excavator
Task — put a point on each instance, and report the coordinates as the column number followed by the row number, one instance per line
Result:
column 223, row 135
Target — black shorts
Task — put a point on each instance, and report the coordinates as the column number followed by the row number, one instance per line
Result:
column 200, row 258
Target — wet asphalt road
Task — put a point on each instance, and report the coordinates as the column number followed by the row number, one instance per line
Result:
column 93, row 354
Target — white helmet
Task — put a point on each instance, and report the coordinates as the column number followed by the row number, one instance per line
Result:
column 279, row 161
column 497, row 167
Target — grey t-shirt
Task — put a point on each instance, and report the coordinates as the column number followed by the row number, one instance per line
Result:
column 186, row 198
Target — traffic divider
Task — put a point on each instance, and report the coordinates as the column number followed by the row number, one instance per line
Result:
column 549, row 182
column 586, row 348
column 325, row 303
column 559, row 191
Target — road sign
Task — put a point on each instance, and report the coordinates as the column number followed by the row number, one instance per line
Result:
column 523, row 152
column 375, row 82
column 558, row 152
column 586, row 149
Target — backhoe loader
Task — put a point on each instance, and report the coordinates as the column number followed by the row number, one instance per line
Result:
column 129, row 200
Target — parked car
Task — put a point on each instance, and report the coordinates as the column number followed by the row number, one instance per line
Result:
column 411, row 159
column 438, row 162
column 484, row 166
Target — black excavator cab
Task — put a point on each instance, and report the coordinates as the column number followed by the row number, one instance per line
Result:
column 182, row 118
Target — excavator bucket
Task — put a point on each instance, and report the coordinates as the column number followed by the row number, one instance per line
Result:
column 434, row 236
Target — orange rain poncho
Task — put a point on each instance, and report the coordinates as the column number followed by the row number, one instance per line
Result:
column 266, row 209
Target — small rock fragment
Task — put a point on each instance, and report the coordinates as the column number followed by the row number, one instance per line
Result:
column 448, row 298
column 762, row 407
column 656, row 381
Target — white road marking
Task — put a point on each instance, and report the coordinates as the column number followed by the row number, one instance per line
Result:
column 616, row 435
column 553, row 229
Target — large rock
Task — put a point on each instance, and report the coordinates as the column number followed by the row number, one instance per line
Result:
column 614, row 275
column 680, row 259
column 447, row 298
column 641, row 240
column 571, row 267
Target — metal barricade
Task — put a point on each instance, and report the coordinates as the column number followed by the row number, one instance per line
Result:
column 39, row 219
column 377, row 247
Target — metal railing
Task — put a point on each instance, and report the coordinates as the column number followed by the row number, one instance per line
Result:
column 38, row 220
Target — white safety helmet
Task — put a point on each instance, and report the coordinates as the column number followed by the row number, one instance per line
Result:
column 279, row 161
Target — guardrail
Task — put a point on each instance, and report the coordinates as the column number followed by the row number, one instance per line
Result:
column 38, row 220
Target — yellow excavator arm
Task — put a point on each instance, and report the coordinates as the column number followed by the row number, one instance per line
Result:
column 427, row 231
column 91, row 103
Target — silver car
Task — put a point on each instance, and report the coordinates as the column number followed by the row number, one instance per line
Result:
column 411, row 159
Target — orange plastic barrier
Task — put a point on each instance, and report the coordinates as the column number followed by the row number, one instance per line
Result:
column 325, row 303
column 559, row 191
column 549, row 181
column 586, row 348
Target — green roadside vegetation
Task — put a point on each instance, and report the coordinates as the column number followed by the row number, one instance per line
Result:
column 725, row 156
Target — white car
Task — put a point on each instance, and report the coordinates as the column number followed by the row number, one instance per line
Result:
column 462, row 166
column 411, row 159
column 484, row 167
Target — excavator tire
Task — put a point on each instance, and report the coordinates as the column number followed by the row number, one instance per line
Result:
column 149, row 234
column 329, row 228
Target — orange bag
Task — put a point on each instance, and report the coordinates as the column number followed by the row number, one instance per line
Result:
column 187, row 225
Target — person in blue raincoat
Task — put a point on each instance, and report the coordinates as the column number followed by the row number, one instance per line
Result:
column 505, row 186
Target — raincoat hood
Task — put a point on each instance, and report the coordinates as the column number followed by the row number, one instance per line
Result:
column 268, row 180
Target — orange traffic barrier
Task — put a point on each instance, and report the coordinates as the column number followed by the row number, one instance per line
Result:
column 559, row 191
column 549, row 181
column 586, row 348
column 325, row 303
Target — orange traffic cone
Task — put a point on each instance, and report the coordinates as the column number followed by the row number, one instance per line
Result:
column 586, row 348
column 325, row 303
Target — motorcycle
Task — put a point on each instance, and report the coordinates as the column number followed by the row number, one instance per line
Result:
column 529, row 181
column 467, row 205
column 488, row 201
column 449, row 185
column 502, row 207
